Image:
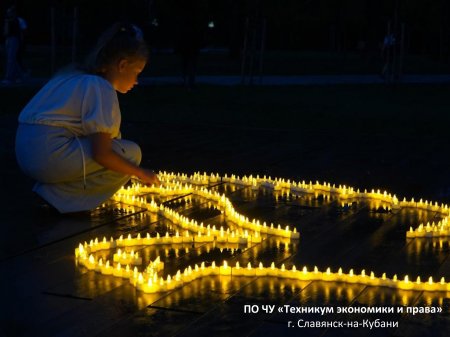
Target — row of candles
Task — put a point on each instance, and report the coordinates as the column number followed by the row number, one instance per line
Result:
column 221, row 202
column 96, row 245
column 433, row 230
column 148, row 280
column 123, row 260
column 279, row 183
column 128, row 246
column 343, row 192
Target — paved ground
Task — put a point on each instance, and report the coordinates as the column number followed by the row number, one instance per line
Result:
column 301, row 80
column 45, row 294
column 277, row 80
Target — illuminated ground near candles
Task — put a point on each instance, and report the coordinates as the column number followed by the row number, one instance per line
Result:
column 47, row 290
column 248, row 232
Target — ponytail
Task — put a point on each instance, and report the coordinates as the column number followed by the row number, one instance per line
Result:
column 118, row 42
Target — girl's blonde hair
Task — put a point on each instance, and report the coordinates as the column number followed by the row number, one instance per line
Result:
column 121, row 41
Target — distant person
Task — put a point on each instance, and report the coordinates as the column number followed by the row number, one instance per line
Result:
column 387, row 49
column 69, row 139
column 12, row 34
column 191, row 24
column 22, row 46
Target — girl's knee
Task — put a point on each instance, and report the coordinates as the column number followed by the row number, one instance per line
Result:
column 128, row 150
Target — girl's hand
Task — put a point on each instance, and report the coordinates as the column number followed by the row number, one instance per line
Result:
column 148, row 177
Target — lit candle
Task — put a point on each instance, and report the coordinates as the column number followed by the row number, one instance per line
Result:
column 166, row 239
column 260, row 271
column 187, row 238
column 373, row 281
column 187, row 275
column 203, row 238
column 148, row 287
column 316, row 274
column 106, row 269
column 405, row 284
column 170, row 283
column 272, row 271
column 80, row 252
column 90, row 263
column 304, row 274
column 225, row 269
column 351, row 278
column 221, row 237
column 118, row 270
column 177, row 238
column 214, row 270
column 328, row 275
column 291, row 273
column 248, row 271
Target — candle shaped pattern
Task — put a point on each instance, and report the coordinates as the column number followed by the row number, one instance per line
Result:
column 176, row 184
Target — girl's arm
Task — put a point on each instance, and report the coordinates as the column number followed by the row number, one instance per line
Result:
column 103, row 154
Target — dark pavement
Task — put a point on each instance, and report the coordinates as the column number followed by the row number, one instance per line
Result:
column 45, row 294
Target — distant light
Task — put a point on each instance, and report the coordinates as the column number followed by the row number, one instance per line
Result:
column 211, row 24
column 155, row 22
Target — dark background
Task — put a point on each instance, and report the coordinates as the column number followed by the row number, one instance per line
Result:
column 322, row 25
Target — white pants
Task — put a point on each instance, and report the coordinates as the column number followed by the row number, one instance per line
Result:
column 54, row 158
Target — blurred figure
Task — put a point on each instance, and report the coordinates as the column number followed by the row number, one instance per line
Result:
column 191, row 22
column 21, row 52
column 387, row 50
column 12, row 34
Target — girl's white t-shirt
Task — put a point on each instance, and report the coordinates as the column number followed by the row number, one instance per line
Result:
column 82, row 103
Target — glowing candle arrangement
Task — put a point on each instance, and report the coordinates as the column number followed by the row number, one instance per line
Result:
column 433, row 230
column 124, row 263
column 221, row 202
column 179, row 183
column 148, row 281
